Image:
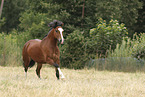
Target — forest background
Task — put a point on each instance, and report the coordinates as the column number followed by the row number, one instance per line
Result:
column 105, row 35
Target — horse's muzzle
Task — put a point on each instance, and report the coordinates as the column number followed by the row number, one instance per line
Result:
column 62, row 40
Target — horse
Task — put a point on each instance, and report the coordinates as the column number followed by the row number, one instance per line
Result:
column 44, row 51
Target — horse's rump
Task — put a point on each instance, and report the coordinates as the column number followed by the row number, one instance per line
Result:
column 30, row 51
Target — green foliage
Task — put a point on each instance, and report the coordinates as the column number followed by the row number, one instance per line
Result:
column 122, row 50
column 73, row 51
column 130, row 48
column 11, row 13
column 140, row 25
column 139, row 46
column 76, row 14
column 9, row 50
column 35, row 19
column 105, row 36
column 124, row 11
column 78, row 49
column 76, row 17
column 121, row 58
column 34, row 24
column 128, row 56
column 2, row 22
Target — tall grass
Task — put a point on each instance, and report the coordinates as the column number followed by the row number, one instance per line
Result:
column 11, row 49
column 128, row 56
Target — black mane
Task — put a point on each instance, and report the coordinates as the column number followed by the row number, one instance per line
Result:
column 55, row 23
column 47, row 33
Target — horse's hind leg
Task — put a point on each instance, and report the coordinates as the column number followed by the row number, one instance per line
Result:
column 26, row 69
column 39, row 66
column 26, row 65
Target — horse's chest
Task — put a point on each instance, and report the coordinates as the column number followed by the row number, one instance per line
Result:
column 52, row 52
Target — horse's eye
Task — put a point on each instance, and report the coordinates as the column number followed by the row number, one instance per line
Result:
column 55, row 30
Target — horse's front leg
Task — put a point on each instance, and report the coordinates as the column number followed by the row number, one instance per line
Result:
column 58, row 72
column 57, row 68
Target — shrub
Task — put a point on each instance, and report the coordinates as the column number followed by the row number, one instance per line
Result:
column 130, row 48
column 10, row 52
column 105, row 35
column 127, row 55
column 73, row 51
column 122, row 50
column 78, row 49
column 139, row 46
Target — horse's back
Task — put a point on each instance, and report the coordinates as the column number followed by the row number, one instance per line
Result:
column 31, row 43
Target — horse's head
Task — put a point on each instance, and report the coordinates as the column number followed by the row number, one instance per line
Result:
column 58, row 33
column 58, row 30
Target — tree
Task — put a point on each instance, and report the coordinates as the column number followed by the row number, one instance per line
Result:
column 140, row 25
column 36, row 18
column 81, row 14
column 105, row 36
column 1, row 8
column 11, row 14
column 124, row 11
column 76, row 14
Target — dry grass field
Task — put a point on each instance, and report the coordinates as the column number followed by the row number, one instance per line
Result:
column 78, row 83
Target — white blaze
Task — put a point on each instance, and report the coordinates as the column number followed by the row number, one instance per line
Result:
column 61, row 30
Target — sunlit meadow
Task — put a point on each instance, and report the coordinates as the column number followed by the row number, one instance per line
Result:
column 78, row 83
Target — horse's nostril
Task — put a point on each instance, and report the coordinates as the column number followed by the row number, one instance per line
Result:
column 62, row 41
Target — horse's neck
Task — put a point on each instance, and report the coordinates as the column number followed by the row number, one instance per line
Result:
column 49, row 40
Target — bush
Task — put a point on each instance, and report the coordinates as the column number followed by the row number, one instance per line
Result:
column 10, row 52
column 73, row 51
column 11, row 46
column 139, row 46
column 78, row 49
column 122, row 50
column 127, row 55
column 105, row 35
column 130, row 48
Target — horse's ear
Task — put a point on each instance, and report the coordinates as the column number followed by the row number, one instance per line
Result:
column 62, row 24
column 51, row 24
column 55, row 23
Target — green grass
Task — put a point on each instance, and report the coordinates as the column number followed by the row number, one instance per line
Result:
column 78, row 83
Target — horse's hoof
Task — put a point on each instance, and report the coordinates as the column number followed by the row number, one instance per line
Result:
column 63, row 78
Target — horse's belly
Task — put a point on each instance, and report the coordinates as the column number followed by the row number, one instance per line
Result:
column 37, row 57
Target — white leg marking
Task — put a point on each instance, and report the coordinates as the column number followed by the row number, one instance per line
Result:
column 25, row 75
column 60, row 73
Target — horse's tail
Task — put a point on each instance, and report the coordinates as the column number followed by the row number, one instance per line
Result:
column 32, row 63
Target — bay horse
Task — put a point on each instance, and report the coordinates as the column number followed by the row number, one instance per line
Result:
column 45, row 50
